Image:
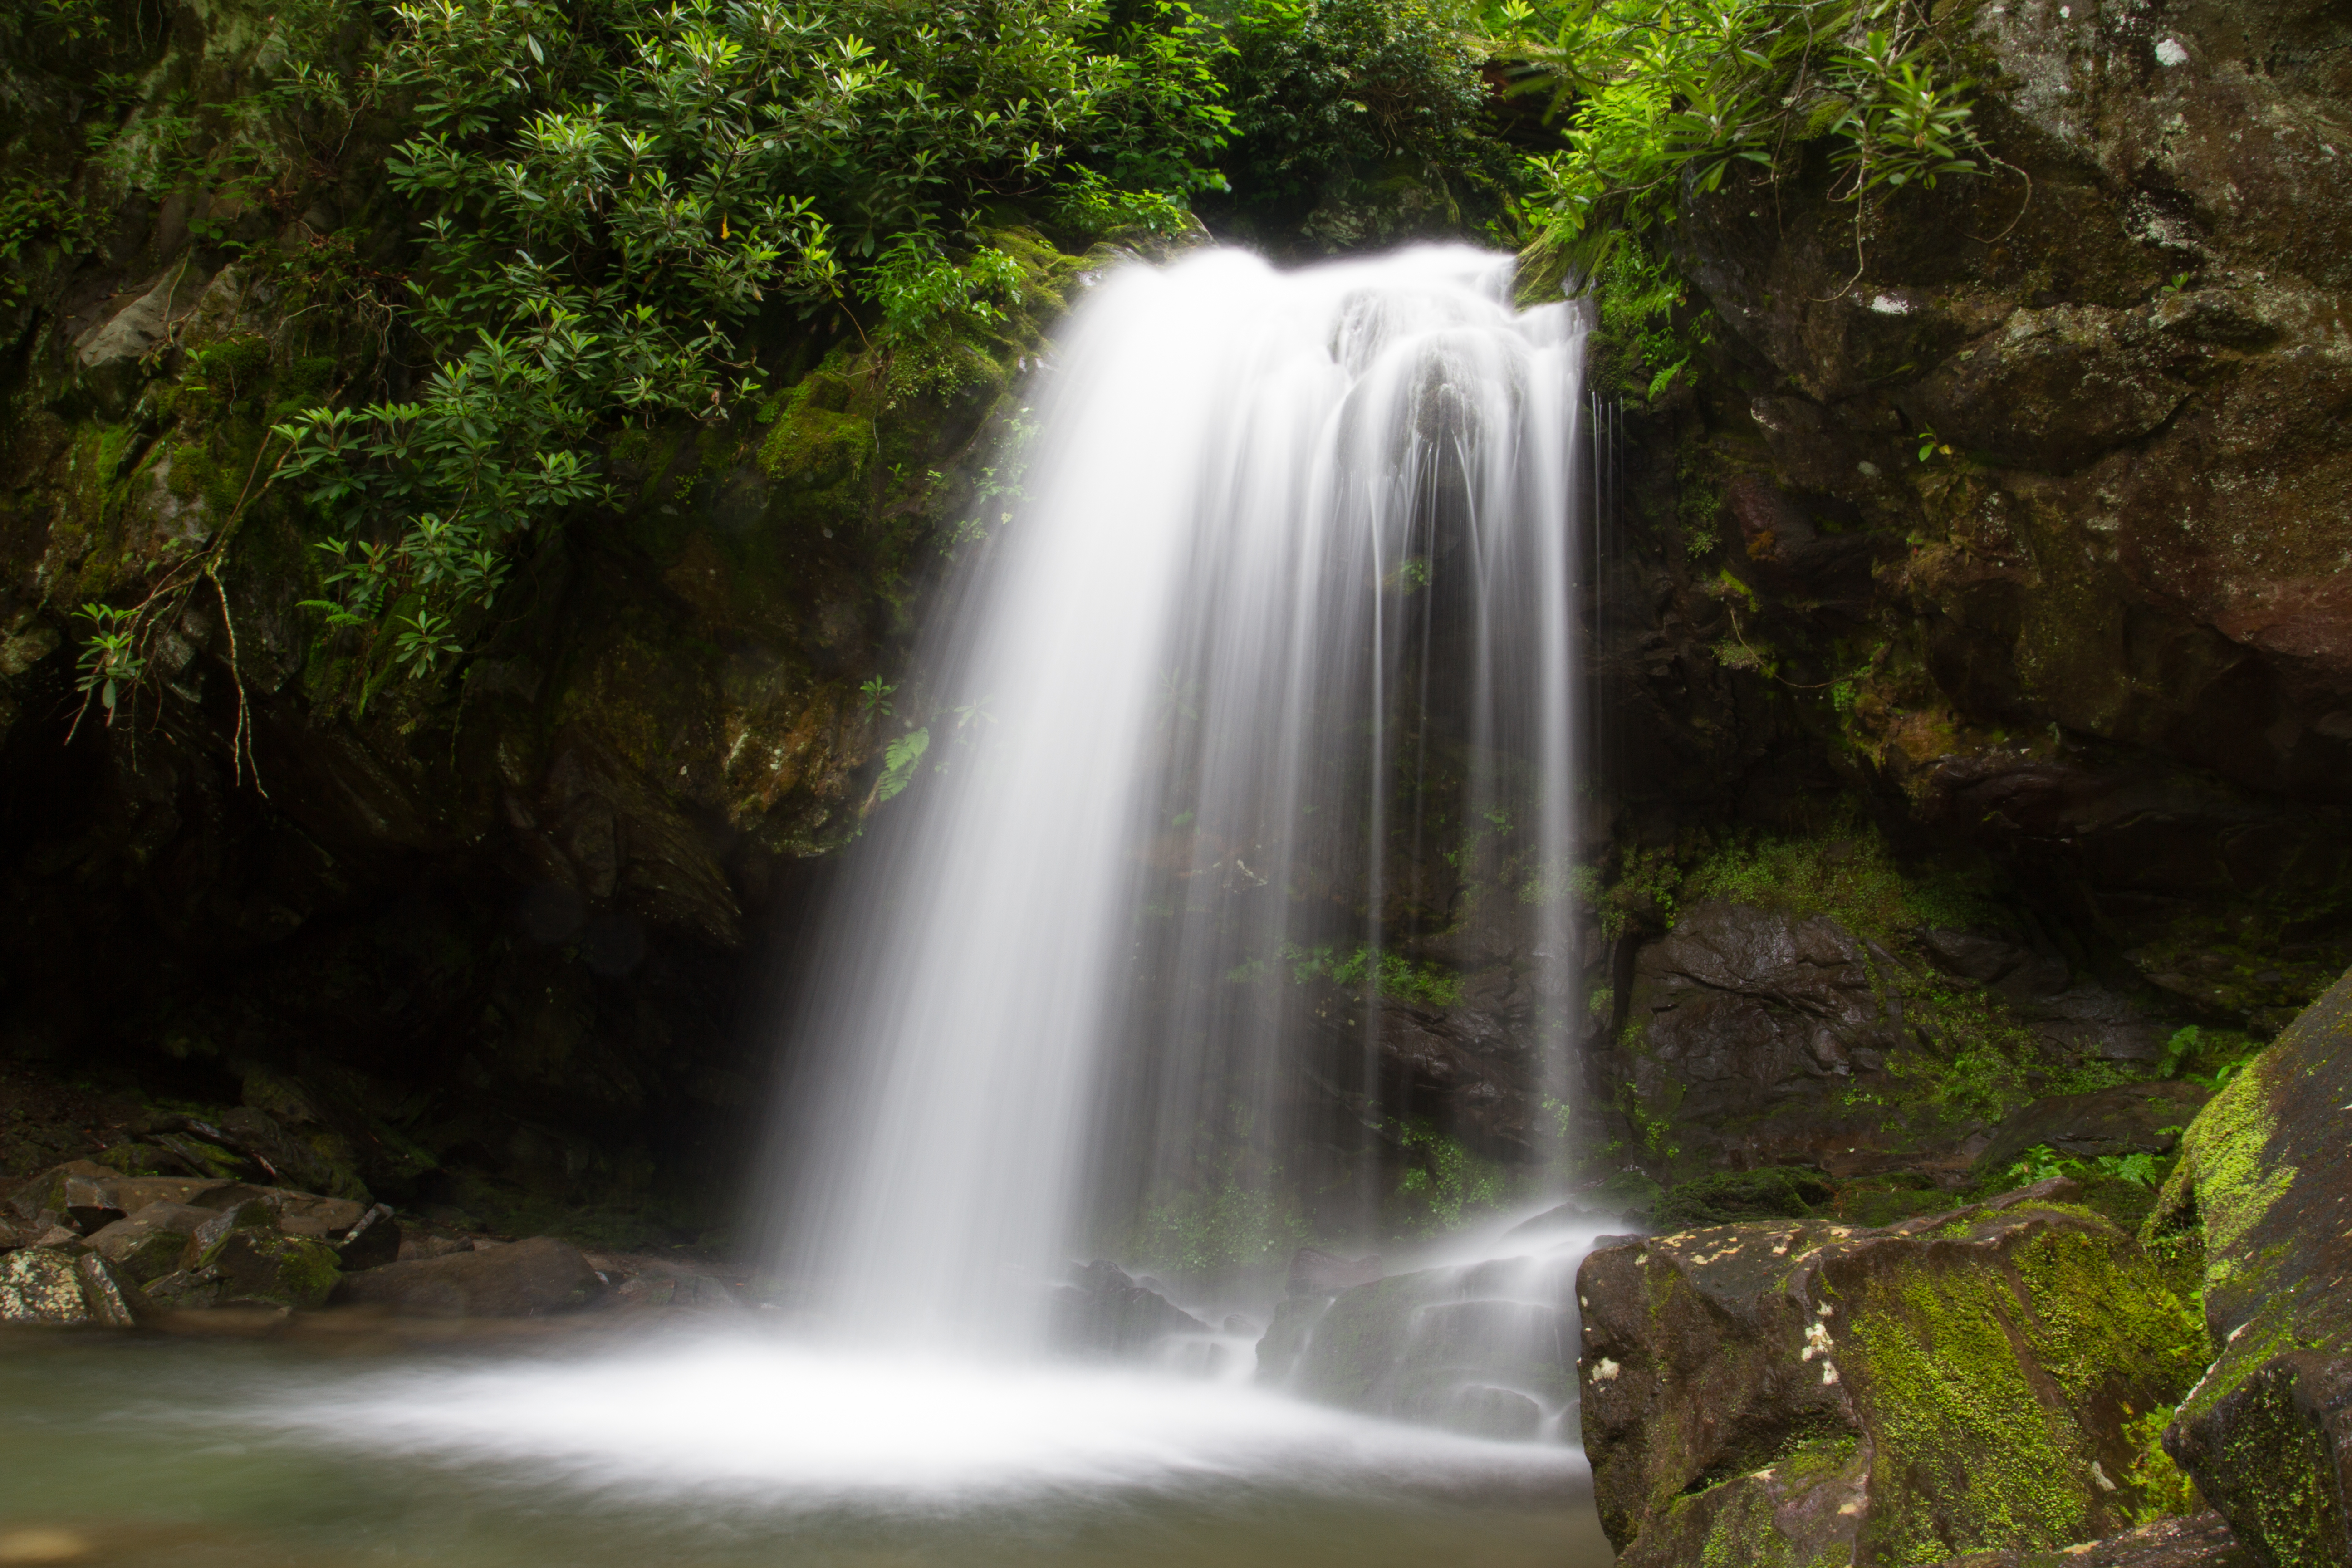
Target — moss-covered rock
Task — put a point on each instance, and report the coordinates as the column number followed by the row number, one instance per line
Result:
column 2264, row 1184
column 1803, row 1392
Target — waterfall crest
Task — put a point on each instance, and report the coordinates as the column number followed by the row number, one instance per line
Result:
column 1265, row 694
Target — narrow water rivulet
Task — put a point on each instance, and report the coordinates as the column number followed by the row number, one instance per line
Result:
column 1255, row 688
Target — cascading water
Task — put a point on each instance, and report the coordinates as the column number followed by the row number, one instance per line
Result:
column 1268, row 678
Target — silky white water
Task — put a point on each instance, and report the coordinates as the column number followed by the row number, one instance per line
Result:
column 1264, row 678
column 1263, row 684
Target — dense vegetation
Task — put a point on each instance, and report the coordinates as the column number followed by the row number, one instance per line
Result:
column 617, row 212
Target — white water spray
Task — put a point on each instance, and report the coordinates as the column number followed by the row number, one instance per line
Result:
column 1269, row 675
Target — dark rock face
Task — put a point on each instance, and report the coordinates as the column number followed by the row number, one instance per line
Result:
column 521, row 1280
column 1751, row 1020
column 1797, row 1391
column 2265, row 1183
column 1756, row 1037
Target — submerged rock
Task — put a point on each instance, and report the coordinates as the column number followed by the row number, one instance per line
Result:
column 1483, row 1350
column 1104, row 1312
column 521, row 1280
column 1797, row 1391
column 2264, row 1184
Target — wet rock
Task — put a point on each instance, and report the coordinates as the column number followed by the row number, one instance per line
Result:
column 2264, row 1186
column 40, row 1284
column 253, row 1260
column 187, row 1291
column 78, row 1192
column 132, row 1193
column 523, row 1280
column 2201, row 1541
column 1800, row 1390
column 1313, row 1273
column 154, row 1242
column 1102, row 1311
column 1782, row 1192
column 1748, row 1023
column 370, row 1242
column 110, row 1300
column 2130, row 1118
column 1482, row 1350
column 68, row 1286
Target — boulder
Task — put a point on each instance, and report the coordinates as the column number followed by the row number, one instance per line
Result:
column 1481, row 1350
column 2202, row 1541
column 257, row 1263
column 39, row 1285
column 154, row 1242
column 2264, row 1184
column 521, row 1280
column 1102, row 1311
column 66, row 1286
column 1800, row 1390
column 1313, row 1273
column 78, row 1192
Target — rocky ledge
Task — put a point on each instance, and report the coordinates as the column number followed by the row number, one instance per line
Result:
column 82, row 1244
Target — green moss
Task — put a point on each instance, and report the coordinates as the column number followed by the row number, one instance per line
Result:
column 1789, row 1192
column 1852, row 877
column 2224, row 1178
column 2100, row 1308
column 1957, row 1417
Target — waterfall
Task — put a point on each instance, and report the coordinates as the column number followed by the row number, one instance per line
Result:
column 1263, row 696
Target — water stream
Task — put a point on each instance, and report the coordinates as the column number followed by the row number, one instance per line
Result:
column 1273, row 617
column 1274, row 641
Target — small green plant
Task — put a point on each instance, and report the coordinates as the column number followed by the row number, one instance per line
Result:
column 2042, row 1162
column 1446, row 1181
column 874, row 697
column 1389, row 974
column 901, row 760
column 1930, row 447
column 2165, row 1490
column 112, row 660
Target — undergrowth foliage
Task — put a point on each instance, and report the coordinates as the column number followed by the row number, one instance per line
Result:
column 610, row 196
column 1658, row 101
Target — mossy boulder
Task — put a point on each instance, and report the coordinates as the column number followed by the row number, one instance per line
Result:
column 251, row 1259
column 2203, row 1541
column 1797, row 1392
column 2264, row 1186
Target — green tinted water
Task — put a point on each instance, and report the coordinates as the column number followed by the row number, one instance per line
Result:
column 133, row 1452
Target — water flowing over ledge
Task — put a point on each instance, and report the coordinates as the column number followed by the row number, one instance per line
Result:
column 1288, row 594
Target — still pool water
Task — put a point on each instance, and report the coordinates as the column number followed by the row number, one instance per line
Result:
column 133, row 1451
